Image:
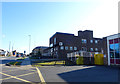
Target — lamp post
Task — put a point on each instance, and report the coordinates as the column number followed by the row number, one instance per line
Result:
column 29, row 42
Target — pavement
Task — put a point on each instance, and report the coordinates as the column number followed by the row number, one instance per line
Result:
column 26, row 62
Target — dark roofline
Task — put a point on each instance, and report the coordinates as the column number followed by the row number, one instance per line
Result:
column 97, row 38
column 40, row 47
column 85, row 30
column 64, row 33
column 61, row 33
column 1, row 49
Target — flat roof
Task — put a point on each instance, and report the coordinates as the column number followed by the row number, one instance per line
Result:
column 62, row 33
column 113, row 35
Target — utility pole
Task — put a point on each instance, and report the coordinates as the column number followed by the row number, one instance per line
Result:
column 29, row 42
column 12, row 47
column 9, row 45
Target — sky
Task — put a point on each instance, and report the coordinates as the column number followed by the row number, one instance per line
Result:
column 43, row 19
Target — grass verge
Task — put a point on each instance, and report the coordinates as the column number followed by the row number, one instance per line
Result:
column 51, row 63
column 21, row 58
column 15, row 63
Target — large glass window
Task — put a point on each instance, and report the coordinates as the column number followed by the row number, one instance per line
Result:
column 117, row 54
column 111, row 47
column 111, row 54
column 117, row 47
column 114, row 48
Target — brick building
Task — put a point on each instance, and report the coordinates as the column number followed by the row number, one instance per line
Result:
column 39, row 48
column 63, row 43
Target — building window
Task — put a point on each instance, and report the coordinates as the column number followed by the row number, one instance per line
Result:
column 61, row 48
column 60, row 43
column 51, row 49
column 66, row 47
column 111, row 47
column 84, row 49
column 56, row 48
column 71, row 48
column 51, row 45
column 114, row 50
column 112, row 55
column 91, row 49
column 91, row 41
column 75, row 48
column 54, row 40
column 96, row 41
column 84, row 41
column 96, row 49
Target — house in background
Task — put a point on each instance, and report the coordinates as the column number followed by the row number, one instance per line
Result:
column 46, row 52
column 14, row 53
column 63, row 43
column 38, row 49
column 2, row 52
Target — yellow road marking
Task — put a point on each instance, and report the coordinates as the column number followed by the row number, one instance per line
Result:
column 18, row 69
column 15, row 63
column 40, row 75
column 16, row 78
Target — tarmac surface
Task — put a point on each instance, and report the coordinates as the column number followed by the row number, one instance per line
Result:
column 26, row 74
column 80, row 74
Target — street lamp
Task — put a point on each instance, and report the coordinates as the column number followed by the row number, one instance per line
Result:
column 9, row 45
column 29, row 42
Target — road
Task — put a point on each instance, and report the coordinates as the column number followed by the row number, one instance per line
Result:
column 4, row 60
column 16, row 74
column 55, row 74
column 80, row 74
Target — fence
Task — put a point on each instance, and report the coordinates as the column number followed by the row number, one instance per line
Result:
column 88, row 57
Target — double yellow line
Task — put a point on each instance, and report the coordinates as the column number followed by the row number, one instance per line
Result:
column 40, row 75
column 16, row 78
